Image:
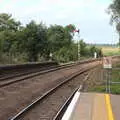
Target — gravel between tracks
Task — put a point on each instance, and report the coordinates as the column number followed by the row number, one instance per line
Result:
column 15, row 97
column 48, row 108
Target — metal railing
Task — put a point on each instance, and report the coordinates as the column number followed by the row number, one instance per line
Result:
column 108, row 77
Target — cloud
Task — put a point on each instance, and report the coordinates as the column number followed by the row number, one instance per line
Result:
column 88, row 15
column 57, row 9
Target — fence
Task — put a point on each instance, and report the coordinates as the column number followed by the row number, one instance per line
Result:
column 112, row 79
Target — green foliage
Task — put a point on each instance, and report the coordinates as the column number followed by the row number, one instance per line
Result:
column 94, row 49
column 60, row 43
column 67, row 54
column 35, row 42
column 114, row 10
column 59, row 36
column 8, row 23
column 56, row 37
column 83, row 49
column 88, row 51
column 8, row 28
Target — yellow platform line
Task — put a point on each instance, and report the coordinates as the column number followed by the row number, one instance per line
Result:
column 109, row 107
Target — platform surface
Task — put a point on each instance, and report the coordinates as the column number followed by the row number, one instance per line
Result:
column 96, row 106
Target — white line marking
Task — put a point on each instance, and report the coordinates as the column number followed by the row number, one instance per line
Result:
column 71, row 107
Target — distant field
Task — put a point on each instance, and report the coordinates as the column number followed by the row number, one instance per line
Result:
column 108, row 51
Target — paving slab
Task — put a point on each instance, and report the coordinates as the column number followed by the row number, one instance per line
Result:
column 91, row 106
column 99, row 111
column 115, row 102
column 95, row 106
column 84, row 107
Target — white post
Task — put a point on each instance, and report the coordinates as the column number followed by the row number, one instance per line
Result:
column 95, row 55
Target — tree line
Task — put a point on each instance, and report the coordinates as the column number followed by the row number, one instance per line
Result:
column 114, row 11
column 37, row 42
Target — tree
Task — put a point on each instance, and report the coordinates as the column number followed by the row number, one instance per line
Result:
column 94, row 49
column 34, row 40
column 56, row 35
column 8, row 29
column 66, row 54
column 59, row 37
column 114, row 10
column 82, row 48
column 8, row 23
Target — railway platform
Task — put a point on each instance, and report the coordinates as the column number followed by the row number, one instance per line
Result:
column 93, row 106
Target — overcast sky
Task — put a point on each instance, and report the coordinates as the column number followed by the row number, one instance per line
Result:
column 87, row 15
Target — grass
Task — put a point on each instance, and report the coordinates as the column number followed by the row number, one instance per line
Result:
column 109, row 51
column 115, row 89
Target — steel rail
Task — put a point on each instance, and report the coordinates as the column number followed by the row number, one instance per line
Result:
column 64, row 107
column 30, row 106
column 9, row 82
column 24, row 73
column 62, row 110
column 33, row 75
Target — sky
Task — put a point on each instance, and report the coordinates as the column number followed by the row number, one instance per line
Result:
column 89, row 16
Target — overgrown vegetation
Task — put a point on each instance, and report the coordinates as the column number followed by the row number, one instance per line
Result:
column 37, row 42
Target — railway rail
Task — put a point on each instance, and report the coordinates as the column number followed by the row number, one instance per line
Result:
column 23, row 72
column 5, row 81
column 62, row 110
column 50, row 95
column 23, row 93
column 11, row 71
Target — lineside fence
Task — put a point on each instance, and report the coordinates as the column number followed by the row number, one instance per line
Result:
column 111, row 75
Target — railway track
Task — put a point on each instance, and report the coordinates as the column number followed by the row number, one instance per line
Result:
column 27, row 75
column 46, row 106
column 23, row 72
column 15, row 97
column 8, row 71
column 5, row 81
